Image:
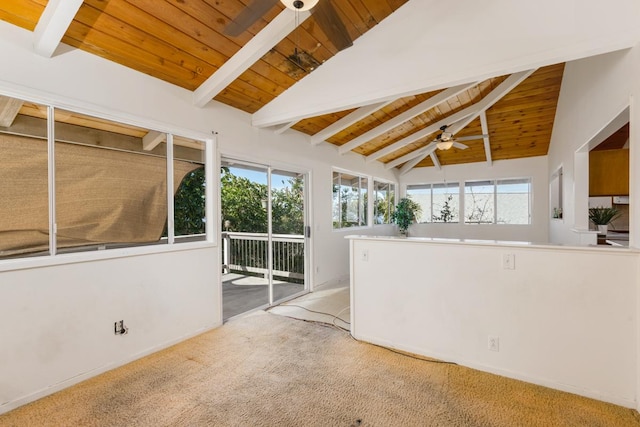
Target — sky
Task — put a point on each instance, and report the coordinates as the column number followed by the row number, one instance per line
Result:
column 277, row 181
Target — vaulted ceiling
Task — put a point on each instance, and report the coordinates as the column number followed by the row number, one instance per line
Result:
column 188, row 43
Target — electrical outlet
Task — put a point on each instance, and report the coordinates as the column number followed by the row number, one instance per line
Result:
column 509, row 261
column 494, row 343
column 119, row 328
column 364, row 255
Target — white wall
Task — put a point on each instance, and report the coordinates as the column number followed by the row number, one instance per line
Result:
column 238, row 139
column 64, row 314
column 533, row 167
column 594, row 92
column 58, row 320
column 565, row 317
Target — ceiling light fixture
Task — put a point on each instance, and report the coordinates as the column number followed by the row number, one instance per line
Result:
column 444, row 145
column 299, row 5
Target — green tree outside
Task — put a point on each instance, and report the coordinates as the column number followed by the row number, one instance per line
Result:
column 243, row 205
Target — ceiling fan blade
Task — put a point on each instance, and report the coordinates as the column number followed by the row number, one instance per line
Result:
column 460, row 146
column 249, row 16
column 471, row 138
column 329, row 21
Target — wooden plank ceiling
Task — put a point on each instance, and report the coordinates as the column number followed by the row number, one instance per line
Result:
column 183, row 42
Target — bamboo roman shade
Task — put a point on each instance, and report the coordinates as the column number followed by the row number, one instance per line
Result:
column 102, row 195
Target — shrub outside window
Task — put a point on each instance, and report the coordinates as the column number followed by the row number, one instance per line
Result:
column 506, row 201
column 440, row 202
column 445, row 202
column 384, row 202
column 479, row 202
column 421, row 194
column 350, row 200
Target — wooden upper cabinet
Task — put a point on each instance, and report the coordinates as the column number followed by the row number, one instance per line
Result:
column 609, row 173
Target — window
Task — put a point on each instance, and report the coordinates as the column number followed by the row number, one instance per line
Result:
column 24, row 193
column 189, row 201
column 384, row 202
column 108, row 190
column 440, row 202
column 446, row 202
column 349, row 200
column 479, row 202
column 513, row 201
column 109, row 186
column 421, row 194
column 497, row 201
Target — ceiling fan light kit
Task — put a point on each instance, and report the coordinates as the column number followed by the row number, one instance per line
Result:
column 299, row 5
column 444, row 145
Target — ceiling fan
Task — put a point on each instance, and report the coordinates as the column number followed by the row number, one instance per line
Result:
column 323, row 12
column 445, row 140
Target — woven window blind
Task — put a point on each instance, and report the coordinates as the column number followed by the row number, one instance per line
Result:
column 102, row 196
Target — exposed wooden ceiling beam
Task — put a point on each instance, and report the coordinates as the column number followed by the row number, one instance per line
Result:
column 494, row 96
column 422, row 152
column 473, row 112
column 435, row 160
column 284, row 127
column 411, row 164
column 53, row 24
column 259, row 45
column 351, row 118
column 405, row 117
column 152, row 139
column 414, row 162
column 485, row 131
column 9, row 109
column 422, row 133
column 33, row 127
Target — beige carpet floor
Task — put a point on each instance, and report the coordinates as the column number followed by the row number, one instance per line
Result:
column 269, row 370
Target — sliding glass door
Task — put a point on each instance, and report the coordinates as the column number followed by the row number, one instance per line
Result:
column 287, row 233
column 263, row 236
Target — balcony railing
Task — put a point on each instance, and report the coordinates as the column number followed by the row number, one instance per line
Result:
column 247, row 252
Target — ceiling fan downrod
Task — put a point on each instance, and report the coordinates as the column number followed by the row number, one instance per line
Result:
column 299, row 5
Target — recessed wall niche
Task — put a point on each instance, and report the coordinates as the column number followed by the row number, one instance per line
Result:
column 555, row 194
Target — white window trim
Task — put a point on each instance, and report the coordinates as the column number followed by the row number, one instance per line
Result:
column 370, row 179
column 494, row 181
column 460, row 201
column 461, row 185
column 368, row 208
column 372, row 191
column 20, row 263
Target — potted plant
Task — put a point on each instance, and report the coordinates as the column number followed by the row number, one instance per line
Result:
column 406, row 213
column 602, row 217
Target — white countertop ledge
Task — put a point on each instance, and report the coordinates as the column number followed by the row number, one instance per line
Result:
column 499, row 243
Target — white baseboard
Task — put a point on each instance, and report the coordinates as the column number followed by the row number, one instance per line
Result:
column 546, row 382
column 31, row 397
column 335, row 281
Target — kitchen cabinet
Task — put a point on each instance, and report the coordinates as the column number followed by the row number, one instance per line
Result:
column 609, row 173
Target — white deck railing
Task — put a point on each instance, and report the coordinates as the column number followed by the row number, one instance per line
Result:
column 248, row 252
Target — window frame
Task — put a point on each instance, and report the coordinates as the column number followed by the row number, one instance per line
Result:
column 529, row 180
column 430, row 187
column 116, row 250
column 392, row 189
column 362, row 206
column 495, row 182
column 487, row 183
